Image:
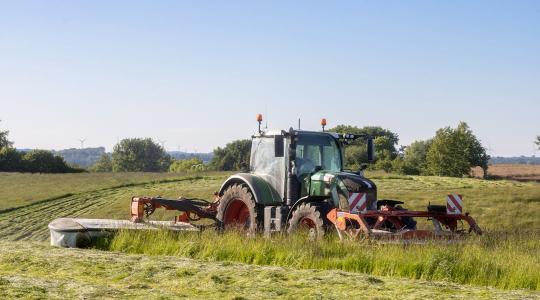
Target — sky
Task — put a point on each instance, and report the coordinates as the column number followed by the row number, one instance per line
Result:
column 193, row 74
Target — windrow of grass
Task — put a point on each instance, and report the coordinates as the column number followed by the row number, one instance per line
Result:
column 501, row 260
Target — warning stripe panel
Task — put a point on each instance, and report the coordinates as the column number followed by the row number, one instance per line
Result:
column 454, row 204
column 356, row 197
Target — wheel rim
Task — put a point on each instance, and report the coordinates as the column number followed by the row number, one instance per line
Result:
column 237, row 215
column 308, row 227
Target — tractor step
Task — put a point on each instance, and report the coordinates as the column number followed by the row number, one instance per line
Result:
column 77, row 233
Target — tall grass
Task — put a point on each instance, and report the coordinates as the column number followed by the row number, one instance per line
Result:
column 502, row 260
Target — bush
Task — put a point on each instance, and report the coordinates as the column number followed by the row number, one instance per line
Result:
column 11, row 160
column 235, row 156
column 187, row 165
column 104, row 164
column 384, row 164
column 42, row 161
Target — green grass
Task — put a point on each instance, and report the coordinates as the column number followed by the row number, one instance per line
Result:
column 33, row 270
column 31, row 201
column 19, row 189
column 506, row 261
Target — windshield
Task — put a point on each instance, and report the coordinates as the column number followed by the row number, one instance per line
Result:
column 317, row 150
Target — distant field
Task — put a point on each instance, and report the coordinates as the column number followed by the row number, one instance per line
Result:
column 514, row 171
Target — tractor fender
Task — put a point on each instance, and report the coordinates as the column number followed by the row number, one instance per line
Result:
column 262, row 191
column 307, row 199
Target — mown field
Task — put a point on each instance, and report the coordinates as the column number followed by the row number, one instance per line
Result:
column 503, row 259
column 31, row 270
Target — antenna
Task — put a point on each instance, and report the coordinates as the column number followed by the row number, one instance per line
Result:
column 82, row 142
column 266, row 114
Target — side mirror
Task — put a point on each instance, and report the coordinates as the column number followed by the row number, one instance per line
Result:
column 279, row 150
column 370, row 150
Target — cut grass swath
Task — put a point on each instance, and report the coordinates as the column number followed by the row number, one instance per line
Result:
column 502, row 260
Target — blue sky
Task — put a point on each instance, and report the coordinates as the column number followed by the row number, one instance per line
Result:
column 195, row 73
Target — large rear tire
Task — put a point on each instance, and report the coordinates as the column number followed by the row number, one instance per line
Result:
column 237, row 210
column 307, row 220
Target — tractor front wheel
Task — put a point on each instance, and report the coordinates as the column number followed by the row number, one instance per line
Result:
column 307, row 220
column 237, row 210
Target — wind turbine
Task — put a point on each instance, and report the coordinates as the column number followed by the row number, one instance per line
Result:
column 82, row 142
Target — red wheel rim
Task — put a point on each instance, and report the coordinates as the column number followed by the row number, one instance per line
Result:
column 308, row 228
column 307, row 223
column 237, row 213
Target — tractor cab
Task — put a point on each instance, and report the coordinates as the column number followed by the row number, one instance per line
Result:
column 299, row 164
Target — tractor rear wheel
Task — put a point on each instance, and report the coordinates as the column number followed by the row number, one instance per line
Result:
column 307, row 220
column 237, row 210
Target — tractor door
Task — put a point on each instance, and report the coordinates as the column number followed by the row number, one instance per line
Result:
column 265, row 163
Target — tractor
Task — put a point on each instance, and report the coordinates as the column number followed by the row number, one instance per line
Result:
column 297, row 181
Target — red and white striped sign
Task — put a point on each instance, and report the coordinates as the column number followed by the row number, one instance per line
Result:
column 454, row 204
column 358, row 203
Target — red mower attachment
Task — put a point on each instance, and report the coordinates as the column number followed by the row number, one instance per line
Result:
column 191, row 209
column 391, row 221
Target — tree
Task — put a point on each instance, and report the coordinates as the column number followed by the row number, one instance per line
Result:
column 235, row 156
column 104, row 164
column 454, row 151
column 385, row 145
column 4, row 142
column 415, row 158
column 139, row 155
column 537, row 142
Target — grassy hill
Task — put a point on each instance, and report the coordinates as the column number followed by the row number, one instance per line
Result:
column 506, row 260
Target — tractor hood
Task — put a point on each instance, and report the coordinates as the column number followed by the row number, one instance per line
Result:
column 340, row 186
column 355, row 183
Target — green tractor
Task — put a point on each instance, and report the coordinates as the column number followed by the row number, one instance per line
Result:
column 297, row 181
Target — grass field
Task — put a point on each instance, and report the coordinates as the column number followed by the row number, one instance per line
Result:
column 499, row 260
column 23, row 188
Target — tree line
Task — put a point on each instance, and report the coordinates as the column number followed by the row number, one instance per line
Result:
column 34, row 161
column 145, row 155
column 450, row 152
